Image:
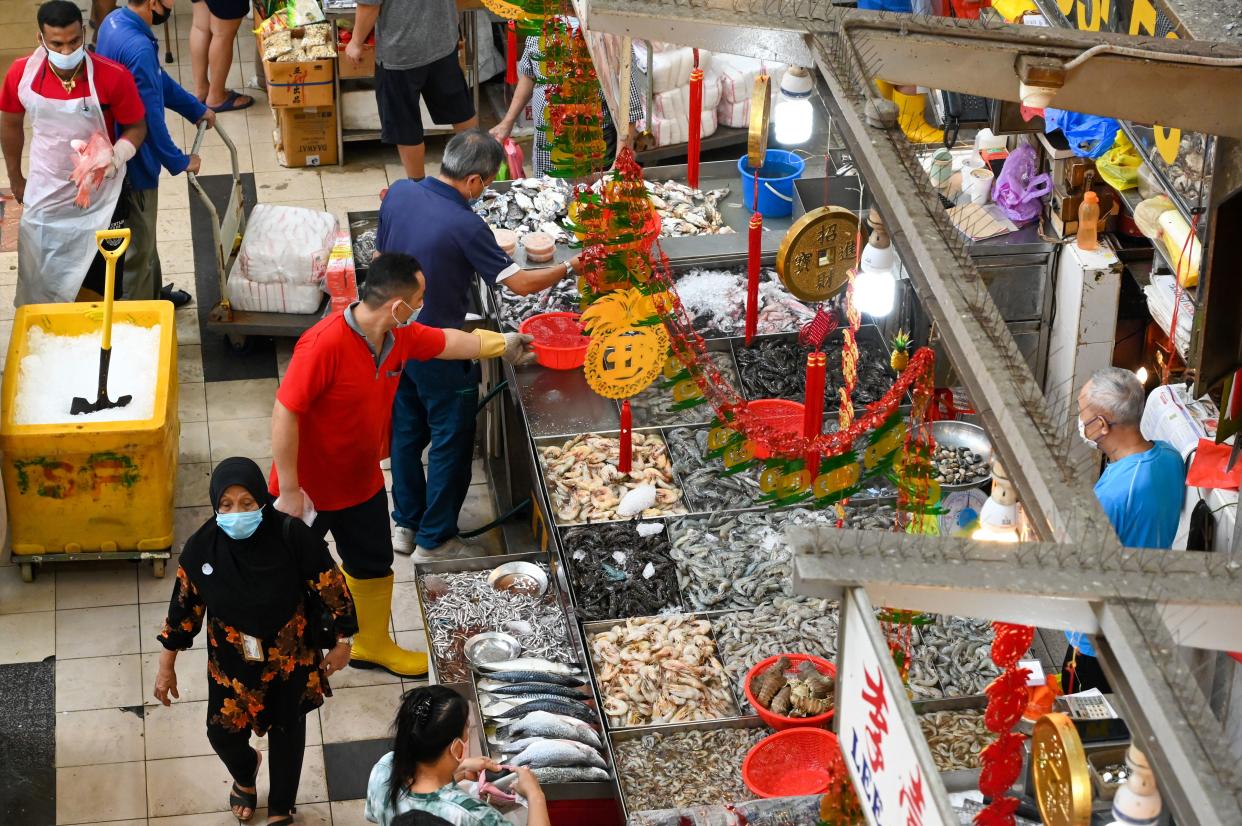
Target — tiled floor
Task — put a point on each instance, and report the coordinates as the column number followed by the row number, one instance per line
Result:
column 85, row 633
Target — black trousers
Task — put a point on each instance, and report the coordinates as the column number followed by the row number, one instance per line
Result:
column 362, row 536
column 286, row 746
column 1087, row 674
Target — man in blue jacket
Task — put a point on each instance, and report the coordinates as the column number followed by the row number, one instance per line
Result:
column 126, row 38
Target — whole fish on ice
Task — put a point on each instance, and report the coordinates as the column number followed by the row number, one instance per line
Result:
column 503, row 688
column 576, row 774
column 536, row 677
column 568, row 708
column 532, row 664
column 549, row 753
column 550, row 725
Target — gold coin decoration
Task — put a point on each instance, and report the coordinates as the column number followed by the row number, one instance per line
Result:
column 507, row 11
column 624, row 361
column 1059, row 767
column 818, row 252
column 760, row 116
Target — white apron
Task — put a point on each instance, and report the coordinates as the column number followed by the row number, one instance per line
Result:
column 56, row 239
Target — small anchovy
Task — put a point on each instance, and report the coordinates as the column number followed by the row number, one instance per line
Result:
column 536, row 677
column 576, row 774
column 542, row 689
column 557, row 706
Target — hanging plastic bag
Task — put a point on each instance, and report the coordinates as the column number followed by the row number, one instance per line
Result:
column 515, row 159
column 94, row 159
column 1018, row 189
column 1119, row 166
column 1089, row 136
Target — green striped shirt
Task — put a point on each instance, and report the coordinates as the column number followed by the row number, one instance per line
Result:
column 449, row 802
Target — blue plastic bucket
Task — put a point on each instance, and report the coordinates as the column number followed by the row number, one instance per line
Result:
column 776, row 183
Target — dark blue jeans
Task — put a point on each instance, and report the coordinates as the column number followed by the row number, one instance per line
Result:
column 437, row 402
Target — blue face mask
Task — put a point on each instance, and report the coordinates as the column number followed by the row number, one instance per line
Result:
column 240, row 524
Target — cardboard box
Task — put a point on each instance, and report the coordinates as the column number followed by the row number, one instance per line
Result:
column 1065, row 205
column 300, row 83
column 346, row 67
column 306, row 136
column 1064, row 229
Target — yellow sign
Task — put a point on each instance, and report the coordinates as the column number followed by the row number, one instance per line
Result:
column 1059, row 768
column 625, row 361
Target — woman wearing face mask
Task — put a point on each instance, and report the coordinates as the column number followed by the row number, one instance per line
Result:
column 250, row 570
column 428, row 759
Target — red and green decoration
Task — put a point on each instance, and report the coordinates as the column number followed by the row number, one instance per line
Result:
column 574, row 128
column 1008, row 696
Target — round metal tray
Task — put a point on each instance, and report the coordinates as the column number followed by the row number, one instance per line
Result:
column 963, row 434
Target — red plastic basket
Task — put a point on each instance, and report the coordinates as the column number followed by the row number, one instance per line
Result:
column 779, row 721
column 779, row 414
column 559, row 342
column 800, row 761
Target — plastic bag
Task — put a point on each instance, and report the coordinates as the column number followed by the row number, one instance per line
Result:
column 92, row 164
column 1089, row 136
column 286, row 245
column 1018, row 189
column 515, row 159
column 1119, row 166
column 1207, row 468
column 1147, row 215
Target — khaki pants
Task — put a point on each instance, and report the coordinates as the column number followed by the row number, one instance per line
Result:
column 143, row 275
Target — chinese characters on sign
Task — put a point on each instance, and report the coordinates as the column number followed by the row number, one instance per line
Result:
column 885, row 754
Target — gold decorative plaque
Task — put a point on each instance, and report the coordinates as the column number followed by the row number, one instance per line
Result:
column 1059, row 767
column 817, row 253
column 760, row 115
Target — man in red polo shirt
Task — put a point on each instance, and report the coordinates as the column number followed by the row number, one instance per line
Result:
column 66, row 94
column 330, row 430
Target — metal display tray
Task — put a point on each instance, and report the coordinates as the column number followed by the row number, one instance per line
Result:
column 557, row 791
column 590, row 628
column 958, row 780
column 556, row 583
column 637, row 733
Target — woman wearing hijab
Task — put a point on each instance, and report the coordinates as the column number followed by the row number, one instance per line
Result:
column 250, row 571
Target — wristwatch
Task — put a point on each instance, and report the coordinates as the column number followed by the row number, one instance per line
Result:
column 569, row 268
column 347, row 640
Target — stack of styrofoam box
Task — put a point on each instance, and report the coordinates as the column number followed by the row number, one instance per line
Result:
column 737, row 82
column 670, row 104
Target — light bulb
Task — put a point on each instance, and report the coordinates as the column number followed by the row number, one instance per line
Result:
column 794, row 120
column 1141, row 375
column 877, row 258
column 987, row 533
column 875, row 292
column 794, row 114
column 998, row 522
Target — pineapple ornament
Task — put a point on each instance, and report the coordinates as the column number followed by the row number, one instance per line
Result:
column 901, row 351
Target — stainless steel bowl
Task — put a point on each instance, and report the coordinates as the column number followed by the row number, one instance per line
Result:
column 491, row 647
column 963, row 434
column 519, row 577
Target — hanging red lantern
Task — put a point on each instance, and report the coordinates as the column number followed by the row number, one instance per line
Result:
column 511, row 57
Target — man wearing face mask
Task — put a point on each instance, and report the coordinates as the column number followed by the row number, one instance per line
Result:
column 437, row 401
column 330, row 429
column 1141, row 490
column 126, row 37
column 69, row 95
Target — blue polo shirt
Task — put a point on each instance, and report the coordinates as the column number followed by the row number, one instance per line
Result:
column 1142, row 495
column 431, row 221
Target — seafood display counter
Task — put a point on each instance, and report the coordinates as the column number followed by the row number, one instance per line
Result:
column 668, row 605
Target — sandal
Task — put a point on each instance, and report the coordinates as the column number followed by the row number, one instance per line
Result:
column 239, row 799
column 230, row 103
column 287, row 820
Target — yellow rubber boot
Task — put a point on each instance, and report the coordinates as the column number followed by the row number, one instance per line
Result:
column 912, row 121
column 886, row 88
column 373, row 647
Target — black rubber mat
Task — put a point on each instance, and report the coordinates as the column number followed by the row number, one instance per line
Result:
column 221, row 362
column 348, row 766
column 28, row 743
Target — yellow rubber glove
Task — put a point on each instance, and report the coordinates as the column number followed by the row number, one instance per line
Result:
column 491, row 344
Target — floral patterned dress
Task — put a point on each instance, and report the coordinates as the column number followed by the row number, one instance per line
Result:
column 289, row 680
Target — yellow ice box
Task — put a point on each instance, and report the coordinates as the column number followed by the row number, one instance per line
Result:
column 96, row 486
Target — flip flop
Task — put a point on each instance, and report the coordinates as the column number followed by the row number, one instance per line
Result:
column 230, row 103
column 247, row 800
column 179, row 298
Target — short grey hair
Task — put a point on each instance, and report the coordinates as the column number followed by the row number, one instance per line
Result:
column 473, row 152
column 1118, row 395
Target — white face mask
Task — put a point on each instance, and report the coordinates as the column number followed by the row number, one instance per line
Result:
column 408, row 321
column 65, row 62
column 1082, row 431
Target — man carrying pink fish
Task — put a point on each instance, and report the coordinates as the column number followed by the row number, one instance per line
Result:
column 76, row 101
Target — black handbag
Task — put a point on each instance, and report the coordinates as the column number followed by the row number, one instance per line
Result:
column 320, row 624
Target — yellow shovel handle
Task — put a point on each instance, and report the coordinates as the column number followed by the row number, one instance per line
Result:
column 110, row 258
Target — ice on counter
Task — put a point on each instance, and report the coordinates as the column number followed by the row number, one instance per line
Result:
column 57, row 367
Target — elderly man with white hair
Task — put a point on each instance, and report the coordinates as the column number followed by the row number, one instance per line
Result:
column 1141, row 490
